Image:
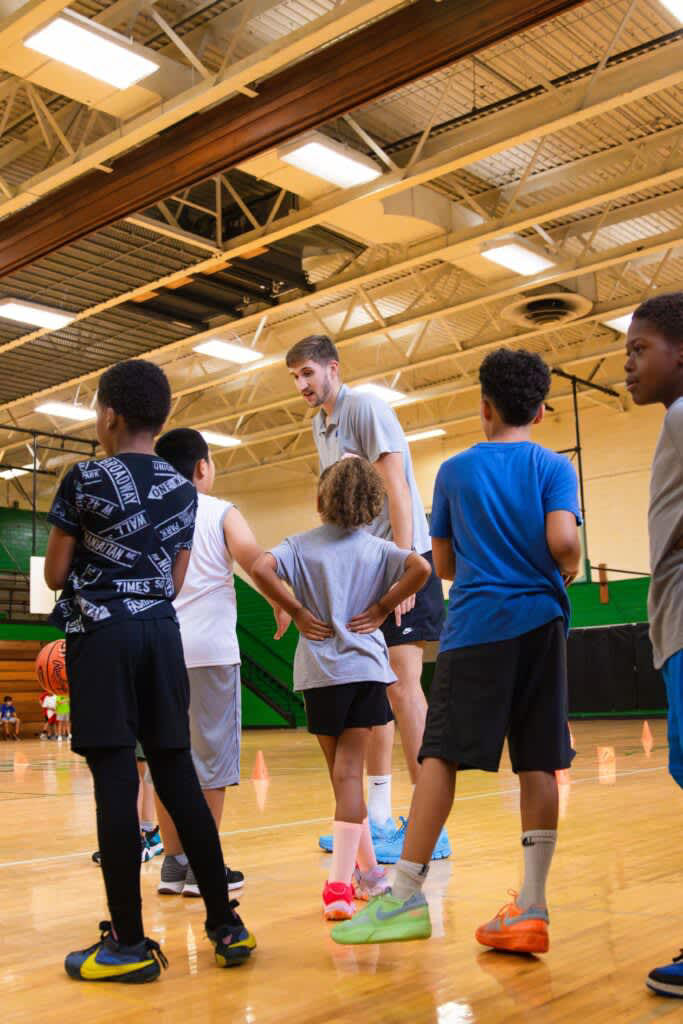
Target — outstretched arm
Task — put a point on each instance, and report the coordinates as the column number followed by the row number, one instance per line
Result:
column 245, row 549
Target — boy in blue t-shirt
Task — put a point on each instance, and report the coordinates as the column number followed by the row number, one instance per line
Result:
column 504, row 529
column 8, row 718
column 118, row 550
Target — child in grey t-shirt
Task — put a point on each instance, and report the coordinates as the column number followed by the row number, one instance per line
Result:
column 345, row 583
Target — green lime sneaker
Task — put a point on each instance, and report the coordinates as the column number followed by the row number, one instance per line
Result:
column 386, row 919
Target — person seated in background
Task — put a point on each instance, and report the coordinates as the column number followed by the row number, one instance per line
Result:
column 11, row 723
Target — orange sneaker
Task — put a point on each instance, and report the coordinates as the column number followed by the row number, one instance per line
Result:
column 516, row 930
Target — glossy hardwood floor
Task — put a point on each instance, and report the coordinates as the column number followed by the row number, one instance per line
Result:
column 616, row 899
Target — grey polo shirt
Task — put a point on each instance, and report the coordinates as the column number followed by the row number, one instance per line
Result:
column 337, row 574
column 665, row 600
column 364, row 425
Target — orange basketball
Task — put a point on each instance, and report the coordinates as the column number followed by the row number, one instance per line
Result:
column 51, row 668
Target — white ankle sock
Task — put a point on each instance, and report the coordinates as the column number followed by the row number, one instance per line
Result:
column 539, row 846
column 379, row 798
column 410, row 878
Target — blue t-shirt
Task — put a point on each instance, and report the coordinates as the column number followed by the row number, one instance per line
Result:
column 7, row 711
column 491, row 502
column 130, row 514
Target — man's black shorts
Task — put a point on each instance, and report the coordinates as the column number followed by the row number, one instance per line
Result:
column 425, row 622
column 513, row 688
column 331, row 709
column 128, row 682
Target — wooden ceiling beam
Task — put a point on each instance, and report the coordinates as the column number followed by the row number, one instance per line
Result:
column 412, row 42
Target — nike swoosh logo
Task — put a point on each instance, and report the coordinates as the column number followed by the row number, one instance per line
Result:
column 381, row 915
column 93, row 970
column 509, row 921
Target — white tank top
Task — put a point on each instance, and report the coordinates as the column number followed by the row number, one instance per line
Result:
column 207, row 606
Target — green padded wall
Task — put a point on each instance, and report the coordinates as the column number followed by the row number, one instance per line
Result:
column 16, row 538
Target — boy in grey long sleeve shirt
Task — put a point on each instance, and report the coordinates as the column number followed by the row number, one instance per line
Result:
column 654, row 373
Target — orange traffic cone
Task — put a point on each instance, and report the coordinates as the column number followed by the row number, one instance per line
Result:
column 20, row 765
column 607, row 766
column 261, row 792
column 260, row 770
column 646, row 739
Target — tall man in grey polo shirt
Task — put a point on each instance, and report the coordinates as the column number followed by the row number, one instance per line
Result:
column 352, row 423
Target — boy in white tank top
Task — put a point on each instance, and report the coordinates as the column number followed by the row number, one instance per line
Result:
column 207, row 612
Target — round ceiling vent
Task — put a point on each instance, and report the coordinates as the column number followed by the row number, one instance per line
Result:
column 551, row 307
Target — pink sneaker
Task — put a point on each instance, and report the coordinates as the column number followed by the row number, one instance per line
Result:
column 337, row 901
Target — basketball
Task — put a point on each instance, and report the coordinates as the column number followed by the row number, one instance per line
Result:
column 51, row 668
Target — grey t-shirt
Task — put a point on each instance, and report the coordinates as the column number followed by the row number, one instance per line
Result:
column 665, row 602
column 364, row 425
column 337, row 574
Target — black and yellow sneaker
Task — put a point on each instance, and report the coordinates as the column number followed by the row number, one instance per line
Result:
column 233, row 941
column 109, row 960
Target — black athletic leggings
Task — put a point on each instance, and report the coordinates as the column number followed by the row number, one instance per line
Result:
column 116, row 791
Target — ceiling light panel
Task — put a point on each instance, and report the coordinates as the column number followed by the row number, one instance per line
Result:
column 227, row 351
column 619, row 323
column 425, row 435
column 220, row 440
column 518, row 258
column 329, row 160
column 380, row 391
column 102, row 54
column 31, row 313
column 67, row 411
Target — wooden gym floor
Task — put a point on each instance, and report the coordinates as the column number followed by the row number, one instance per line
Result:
column 616, row 899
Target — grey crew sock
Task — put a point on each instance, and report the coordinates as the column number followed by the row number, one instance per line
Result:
column 539, row 846
column 410, row 878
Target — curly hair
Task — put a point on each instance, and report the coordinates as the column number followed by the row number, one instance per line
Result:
column 139, row 392
column 516, row 382
column 665, row 313
column 317, row 347
column 350, row 493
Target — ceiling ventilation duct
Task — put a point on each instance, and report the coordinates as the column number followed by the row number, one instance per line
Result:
column 549, row 306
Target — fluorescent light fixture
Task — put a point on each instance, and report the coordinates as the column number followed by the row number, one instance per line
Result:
column 30, row 313
column 220, row 440
column 10, row 474
column 425, row 435
column 675, row 7
column 518, row 258
column 227, row 351
column 619, row 323
column 103, row 54
column 329, row 160
column 380, row 391
column 67, row 411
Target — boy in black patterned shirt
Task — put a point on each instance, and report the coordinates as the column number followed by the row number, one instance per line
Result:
column 119, row 547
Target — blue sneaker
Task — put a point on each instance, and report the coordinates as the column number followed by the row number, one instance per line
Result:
column 379, row 833
column 152, row 844
column 668, row 981
column 109, row 960
column 390, row 850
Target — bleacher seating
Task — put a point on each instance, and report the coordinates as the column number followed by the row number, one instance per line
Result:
column 18, row 679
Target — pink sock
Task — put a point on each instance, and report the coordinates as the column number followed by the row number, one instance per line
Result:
column 346, row 836
column 366, row 851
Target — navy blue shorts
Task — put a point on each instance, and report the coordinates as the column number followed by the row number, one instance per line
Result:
column 425, row 622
